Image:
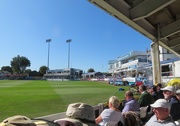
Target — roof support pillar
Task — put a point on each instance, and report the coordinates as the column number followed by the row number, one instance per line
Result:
column 156, row 62
column 155, row 58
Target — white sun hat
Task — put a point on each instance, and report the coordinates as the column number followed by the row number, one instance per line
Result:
column 169, row 88
column 161, row 103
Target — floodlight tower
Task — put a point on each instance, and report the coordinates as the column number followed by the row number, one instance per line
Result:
column 48, row 41
column 68, row 41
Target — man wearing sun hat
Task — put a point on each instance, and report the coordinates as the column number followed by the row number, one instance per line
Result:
column 169, row 94
column 20, row 120
column 17, row 120
column 161, row 117
column 78, row 114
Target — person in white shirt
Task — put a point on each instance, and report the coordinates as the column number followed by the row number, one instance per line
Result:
column 111, row 114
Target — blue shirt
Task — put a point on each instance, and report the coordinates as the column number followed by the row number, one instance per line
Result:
column 131, row 105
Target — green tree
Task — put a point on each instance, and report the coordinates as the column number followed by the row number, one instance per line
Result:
column 35, row 74
column 43, row 69
column 27, row 71
column 91, row 70
column 6, row 68
column 19, row 64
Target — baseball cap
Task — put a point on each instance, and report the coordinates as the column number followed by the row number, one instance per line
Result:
column 169, row 88
column 79, row 114
column 17, row 120
column 161, row 103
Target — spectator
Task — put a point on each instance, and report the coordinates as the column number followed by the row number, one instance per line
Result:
column 152, row 90
column 111, row 114
column 178, row 94
column 169, row 95
column 17, row 120
column 161, row 117
column 78, row 114
column 145, row 99
column 159, row 91
column 131, row 104
column 131, row 119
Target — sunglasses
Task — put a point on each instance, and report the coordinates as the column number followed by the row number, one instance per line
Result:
column 177, row 94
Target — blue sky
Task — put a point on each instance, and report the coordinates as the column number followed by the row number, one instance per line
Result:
column 96, row 36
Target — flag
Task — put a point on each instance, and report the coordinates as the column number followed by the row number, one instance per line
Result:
column 69, row 40
column 48, row 40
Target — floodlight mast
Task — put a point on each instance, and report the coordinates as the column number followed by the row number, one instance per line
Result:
column 68, row 41
column 48, row 41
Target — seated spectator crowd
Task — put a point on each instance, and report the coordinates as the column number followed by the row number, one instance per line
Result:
column 162, row 108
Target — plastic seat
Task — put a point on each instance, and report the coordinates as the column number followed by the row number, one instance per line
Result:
column 111, row 123
column 177, row 122
column 143, row 112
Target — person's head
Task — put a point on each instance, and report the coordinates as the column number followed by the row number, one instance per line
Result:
column 158, row 86
column 150, row 90
column 168, row 92
column 142, row 88
column 17, row 120
column 114, row 102
column 128, row 95
column 131, row 119
column 161, row 108
column 178, row 94
column 78, row 114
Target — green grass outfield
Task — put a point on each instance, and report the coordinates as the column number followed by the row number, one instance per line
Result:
column 40, row 98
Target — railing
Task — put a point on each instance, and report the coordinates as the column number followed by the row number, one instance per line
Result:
column 169, row 73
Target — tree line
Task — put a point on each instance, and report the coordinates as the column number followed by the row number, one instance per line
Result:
column 19, row 65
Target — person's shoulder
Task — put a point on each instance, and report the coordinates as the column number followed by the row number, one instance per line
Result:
column 150, row 121
column 169, row 121
column 129, row 101
column 174, row 100
column 171, row 124
column 145, row 95
column 107, row 110
column 153, row 117
column 132, row 101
